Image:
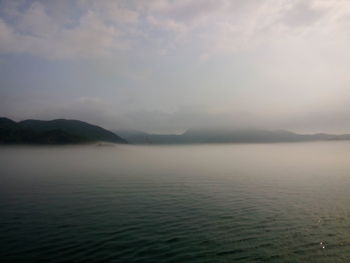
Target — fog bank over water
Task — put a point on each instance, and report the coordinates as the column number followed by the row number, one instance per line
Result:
column 165, row 66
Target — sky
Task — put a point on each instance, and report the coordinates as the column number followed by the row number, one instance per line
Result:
column 164, row 66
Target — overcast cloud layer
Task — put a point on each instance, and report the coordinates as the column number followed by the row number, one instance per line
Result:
column 165, row 66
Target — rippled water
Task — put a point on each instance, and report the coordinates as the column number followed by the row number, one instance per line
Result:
column 209, row 203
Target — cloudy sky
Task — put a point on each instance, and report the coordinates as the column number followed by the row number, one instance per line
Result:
column 167, row 65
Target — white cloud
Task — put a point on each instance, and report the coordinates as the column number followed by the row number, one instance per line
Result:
column 36, row 33
column 7, row 38
column 113, row 11
column 35, row 22
column 99, row 28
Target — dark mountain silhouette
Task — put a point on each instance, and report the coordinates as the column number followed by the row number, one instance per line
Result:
column 63, row 131
column 228, row 136
column 58, row 131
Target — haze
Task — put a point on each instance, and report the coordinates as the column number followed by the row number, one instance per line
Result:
column 165, row 66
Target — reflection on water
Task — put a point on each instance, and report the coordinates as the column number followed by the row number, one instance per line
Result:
column 209, row 203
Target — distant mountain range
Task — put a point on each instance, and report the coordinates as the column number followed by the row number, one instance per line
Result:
column 63, row 131
column 58, row 131
column 227, row 136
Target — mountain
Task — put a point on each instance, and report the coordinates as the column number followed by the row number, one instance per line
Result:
column 229, row 136
column 58, row 131
column 63, row 131
column 134, row 136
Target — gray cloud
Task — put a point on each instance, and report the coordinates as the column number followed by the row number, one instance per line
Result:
column 64, row 29
column 164, row 66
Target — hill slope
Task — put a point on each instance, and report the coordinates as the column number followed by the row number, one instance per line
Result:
column 58, row 131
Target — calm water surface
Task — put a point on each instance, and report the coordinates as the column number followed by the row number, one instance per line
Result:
column 209, row 203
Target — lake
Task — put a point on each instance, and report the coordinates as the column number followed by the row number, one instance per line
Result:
column 195, row 203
